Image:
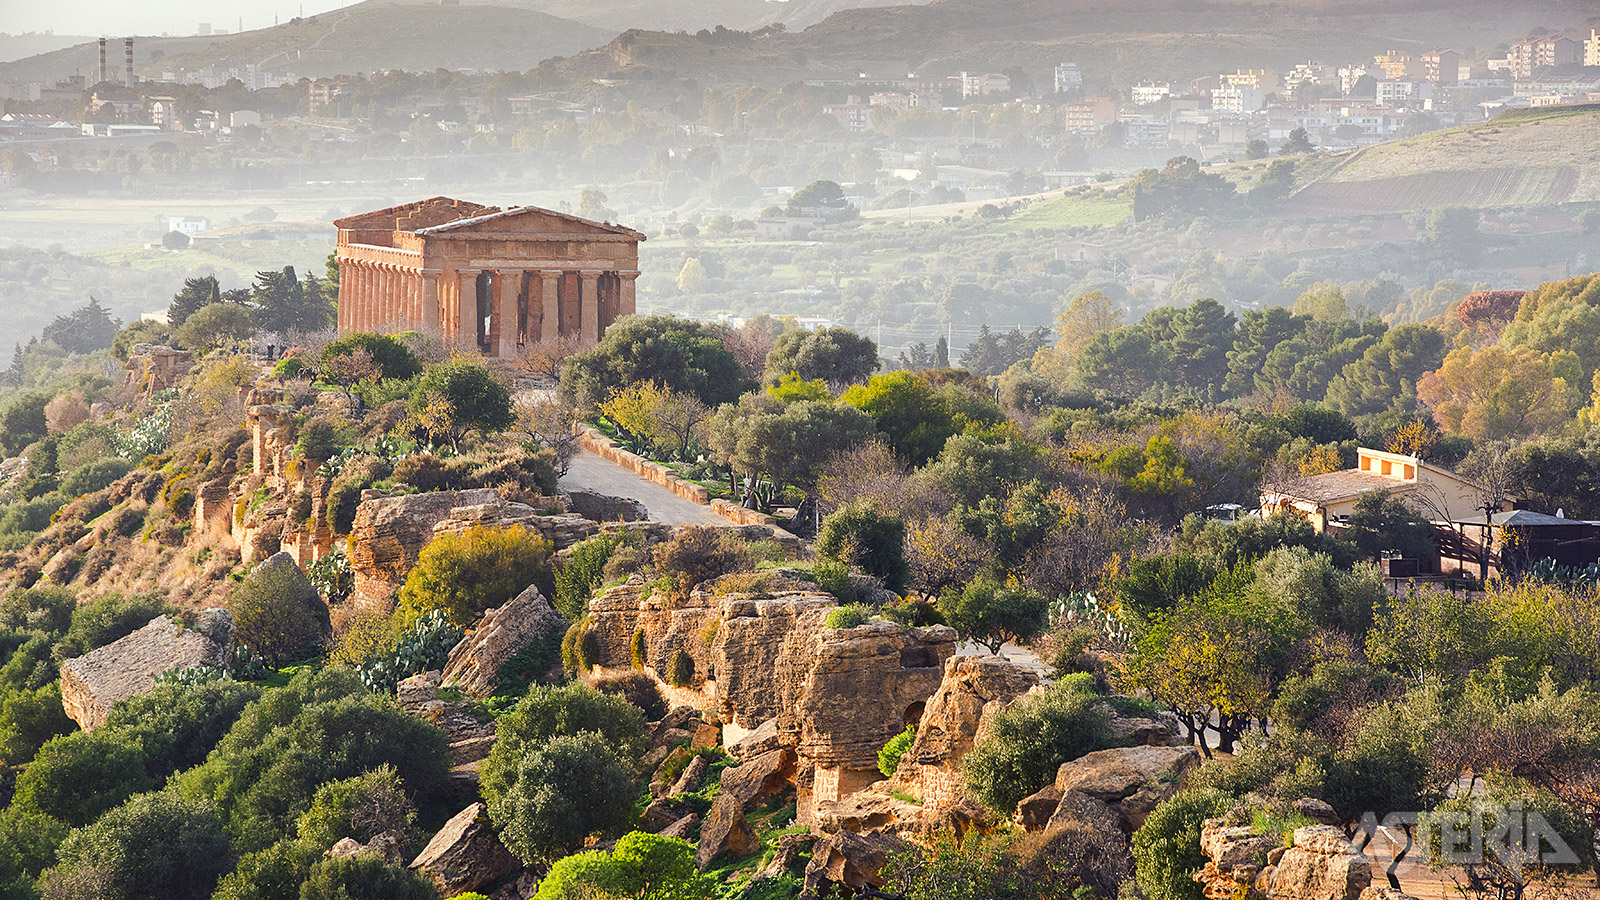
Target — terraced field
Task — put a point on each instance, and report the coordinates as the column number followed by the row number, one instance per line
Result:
column 1541, row 185
column 1523, row 158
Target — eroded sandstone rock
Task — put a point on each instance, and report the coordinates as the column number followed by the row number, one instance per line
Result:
column 1130, row 780
column 742, row 788
column 465, row 854
column 127, row 667
column 848, row 859
column 503, row 632
column 973, row 689
column 1321, row 865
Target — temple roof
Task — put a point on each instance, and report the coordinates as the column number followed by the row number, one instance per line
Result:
column 445, row 216
column 1340, row 485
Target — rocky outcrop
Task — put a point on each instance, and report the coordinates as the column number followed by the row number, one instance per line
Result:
column 846, row 692
column 465, row 854
column 93, row 683
column 850, row 860
column 757, row 742
column 470, row 737
column 390, row 532
column 503, row 632
column 1130, row 781
column 753, row 636
column 1235, row 856
column 742, row 788
column 974, row 688
column 668, row 625
column 1321, row 865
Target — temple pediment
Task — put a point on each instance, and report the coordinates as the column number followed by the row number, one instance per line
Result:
column 530, row 222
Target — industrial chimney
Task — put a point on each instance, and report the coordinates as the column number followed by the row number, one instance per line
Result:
column 127, row 45
column 102, row 62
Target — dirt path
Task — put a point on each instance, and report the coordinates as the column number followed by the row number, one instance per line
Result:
column 589, row 472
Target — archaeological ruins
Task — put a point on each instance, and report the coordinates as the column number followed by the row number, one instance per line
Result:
column 485, row 277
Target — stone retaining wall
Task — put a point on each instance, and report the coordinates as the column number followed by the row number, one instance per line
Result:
column 597, row 443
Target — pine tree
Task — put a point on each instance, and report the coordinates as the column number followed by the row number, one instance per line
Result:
column 197, row 292
column 12, row 377
column 84, row 330
column 941, row 353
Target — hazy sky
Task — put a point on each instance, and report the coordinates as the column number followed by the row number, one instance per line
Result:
column 115, row 18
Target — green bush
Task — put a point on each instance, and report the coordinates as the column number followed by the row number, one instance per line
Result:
column 423, row 647
column 361, row 807
column 324, row 726
column 640, row 865
column 77, row 777
column 849, row 616
column 423, row 471
column 1166, row 849
column 636, row 649
column 581, row 572
column 276, row 611
column 344, row 494
column 549, row 712
column 700, row 553
column 889, row 756
column 275, row 873
column 155, row 843
column 1029, row 741
column 28, row 719
column 570, row 788
column 392, row 356
column 460, row 396
column 467, row 573
column 93, row 476
column 176, row 725
column 680, row 669
column 637, row 688
column 332, row 577
column 862, row 535
column 993, row 614
column 365, row 876
column 589, row 649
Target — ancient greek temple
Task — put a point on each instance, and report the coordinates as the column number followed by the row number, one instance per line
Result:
column 484, row 277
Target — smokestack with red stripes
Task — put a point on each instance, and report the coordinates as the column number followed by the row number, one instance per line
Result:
column 102, row 62
column 127, row 45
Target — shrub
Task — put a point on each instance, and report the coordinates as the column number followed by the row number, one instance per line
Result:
column 589, row 649
column 460, row 396
column 862, row 535
column 572, row 787
column 1166, row 849
column 640, row 865
column 425, row 646
column 28, row 719
column 581, row 572
column 423, row 471
column 467, row 573
column 361, row 807
column 680, row 669
column 324, row 726
column 365, row 876
column 77, row 777
column 570, row 663
column 94, row 476
column 700, row 553
column 344, row 494
column 889, row 756
column 636, row 649
column 639, row 689
column 154, row 839
column 391, row 356
column 849, row 616
column 276, row 611
column 1030, row 740
column 177, row 725
column 549, row 712
column 318, row 441
column 275, row 873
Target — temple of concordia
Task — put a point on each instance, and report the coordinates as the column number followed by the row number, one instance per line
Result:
column 485, row 277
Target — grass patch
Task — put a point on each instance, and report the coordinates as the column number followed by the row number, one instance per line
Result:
column 1070, row 212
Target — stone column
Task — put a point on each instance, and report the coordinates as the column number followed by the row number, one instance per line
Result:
column 412, row 305
column 627, row 304
column 466, row 336
column 430, row 301
column 380, row 297
column 505, row 313
column 590, row 311
column 360, row 294
column 550, row 323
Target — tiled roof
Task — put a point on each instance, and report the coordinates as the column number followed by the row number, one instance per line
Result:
column 1339, row 485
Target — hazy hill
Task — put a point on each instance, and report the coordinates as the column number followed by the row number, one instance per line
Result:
column 18, row 46
column 1124, row 40
column 617, row 16
column 1522, row 158
column 359, row 38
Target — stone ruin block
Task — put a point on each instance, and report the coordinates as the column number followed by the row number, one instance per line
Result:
column 92, row 684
